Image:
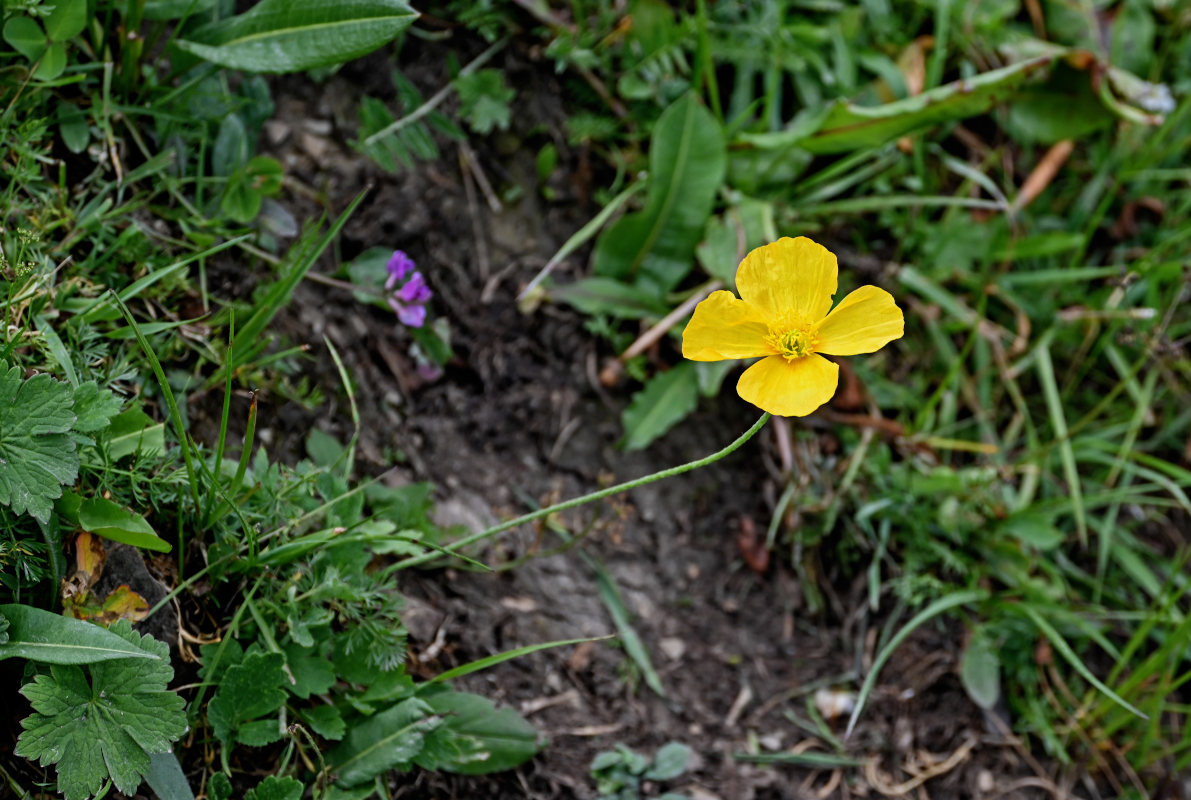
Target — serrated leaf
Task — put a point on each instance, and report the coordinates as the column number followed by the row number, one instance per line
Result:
column 313, row 672
column 53, row 639
column 105, row 726
column 687, row 160
column 484, row 100
column 294, row 35
column 664, row 402
column 3, row 630
column 219, row 787
column 259, row 732
column 247, row 690
column 326, row 721
column 113, row 521
column 388, row 740
column 275, row 788
column 36, row 454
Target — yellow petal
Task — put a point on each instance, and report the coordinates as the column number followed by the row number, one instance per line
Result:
column 789, row 388
column 864, row 322
column 789, row 277
column 723, row 327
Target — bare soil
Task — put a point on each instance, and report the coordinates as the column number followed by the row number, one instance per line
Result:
column 520, row 418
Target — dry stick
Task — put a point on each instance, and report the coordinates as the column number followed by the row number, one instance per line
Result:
column 1043, row 174
column 587, row 498
column 646, row 340
column 477, row 172
column 477, row 227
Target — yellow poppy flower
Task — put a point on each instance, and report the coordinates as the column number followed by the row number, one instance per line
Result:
column 786, row 289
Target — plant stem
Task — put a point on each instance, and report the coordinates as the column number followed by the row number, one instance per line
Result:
column 587, row 498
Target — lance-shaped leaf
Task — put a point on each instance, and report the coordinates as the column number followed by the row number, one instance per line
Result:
column 53, row 639
column 295, row 35
column 686, row 165
column 845, row 127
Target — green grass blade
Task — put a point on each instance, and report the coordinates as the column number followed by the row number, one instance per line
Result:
column 1069, row 655
column 1058, row 419
column 935, row 609
column 171, row 403
column 508, row 655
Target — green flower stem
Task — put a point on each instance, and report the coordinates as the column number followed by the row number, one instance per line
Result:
column 587, row 498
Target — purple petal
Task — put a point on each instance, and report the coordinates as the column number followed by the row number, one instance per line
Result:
column 399, row 266
column 413, row 316
column 415, row 290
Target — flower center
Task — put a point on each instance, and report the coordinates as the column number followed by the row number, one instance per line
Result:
column 794, row 343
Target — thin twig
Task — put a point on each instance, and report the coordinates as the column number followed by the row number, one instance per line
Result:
column 436, row 100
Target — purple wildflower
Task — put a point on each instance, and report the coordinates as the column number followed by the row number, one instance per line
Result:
column 399, row 266
column 413, row 315
column 415, row 290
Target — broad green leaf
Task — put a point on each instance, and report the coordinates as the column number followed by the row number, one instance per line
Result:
column 135, row 431
column 294, row 35
column 53, row 62
column 3, row 630
column 104, row 725
column 980, row 670
column 847, row 127
column 112, row 521
column 664, row 402
column 323, row 448
column 67, row 20
column 72, row 126
column 174, row 9
column 230, row 149
column 610, row 296
column 1033, row 528
column 53, row 639
column 25, row 36
column 166, row 778
column 476, row 738
column 36, row 452
column 671, row 761
column 656, row 246
column 247, row 690
column 388, row 740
